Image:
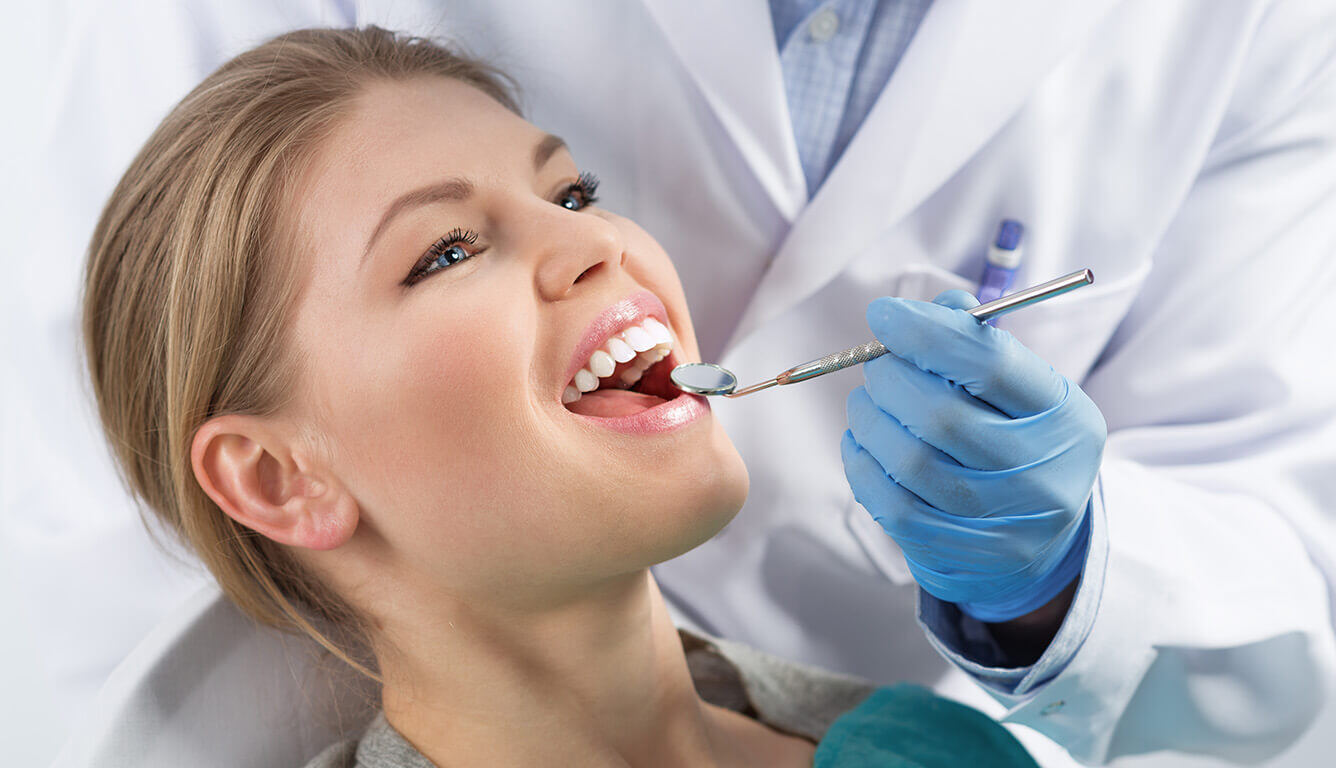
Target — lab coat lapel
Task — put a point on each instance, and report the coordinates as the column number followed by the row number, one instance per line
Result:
column 729, row 51
column 968, row 69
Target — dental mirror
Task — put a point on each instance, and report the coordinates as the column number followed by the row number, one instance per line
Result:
column 704, row 379
column 711, row 379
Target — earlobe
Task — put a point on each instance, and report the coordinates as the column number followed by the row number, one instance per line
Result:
column 253, row 474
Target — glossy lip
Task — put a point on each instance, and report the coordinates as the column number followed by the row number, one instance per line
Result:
column 623, row 314
column 674, row 414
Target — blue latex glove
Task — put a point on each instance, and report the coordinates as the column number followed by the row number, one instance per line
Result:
column 974, row 455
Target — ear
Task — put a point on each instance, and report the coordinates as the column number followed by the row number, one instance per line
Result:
column 256, row 474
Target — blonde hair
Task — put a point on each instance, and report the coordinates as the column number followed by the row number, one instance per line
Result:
column 190, row 281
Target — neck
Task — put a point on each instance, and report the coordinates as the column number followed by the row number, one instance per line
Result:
column 601, row 681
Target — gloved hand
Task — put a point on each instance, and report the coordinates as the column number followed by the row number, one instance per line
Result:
column 974, row 455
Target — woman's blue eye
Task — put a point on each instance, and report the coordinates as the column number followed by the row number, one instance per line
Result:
column 451, row 255
column 449, row 250
column 581, row 193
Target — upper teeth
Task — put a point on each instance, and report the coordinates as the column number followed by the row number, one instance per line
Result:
column 648, row 342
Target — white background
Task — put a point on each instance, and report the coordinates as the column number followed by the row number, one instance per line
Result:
column 32, row 728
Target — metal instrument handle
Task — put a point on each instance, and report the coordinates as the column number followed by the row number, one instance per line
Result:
column 873, row 349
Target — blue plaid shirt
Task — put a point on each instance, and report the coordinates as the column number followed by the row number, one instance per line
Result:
column 837, row 56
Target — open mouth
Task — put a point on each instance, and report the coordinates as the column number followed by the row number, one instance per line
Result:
column 627, row 375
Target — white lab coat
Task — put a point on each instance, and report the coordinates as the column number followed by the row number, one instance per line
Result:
column 1184, row 151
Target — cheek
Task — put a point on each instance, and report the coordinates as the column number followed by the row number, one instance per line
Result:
column 427, row 405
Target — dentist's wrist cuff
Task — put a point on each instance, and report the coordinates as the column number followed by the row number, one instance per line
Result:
column 1043, row 589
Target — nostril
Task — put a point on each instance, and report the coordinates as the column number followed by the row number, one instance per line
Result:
column 588, row 272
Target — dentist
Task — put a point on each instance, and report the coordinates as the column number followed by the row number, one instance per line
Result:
column 1109, row 519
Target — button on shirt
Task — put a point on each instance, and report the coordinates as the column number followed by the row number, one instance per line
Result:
column 837, row 57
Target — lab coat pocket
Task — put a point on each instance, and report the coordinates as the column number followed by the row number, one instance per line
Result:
column 1071, row 331
column 924, row 281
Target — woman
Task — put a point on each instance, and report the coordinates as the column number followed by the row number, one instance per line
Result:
column 360, row 337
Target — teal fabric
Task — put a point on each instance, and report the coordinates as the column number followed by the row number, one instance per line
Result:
column 905, row 726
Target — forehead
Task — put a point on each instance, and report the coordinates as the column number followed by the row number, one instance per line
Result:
column 403, row 117
column 399, row 135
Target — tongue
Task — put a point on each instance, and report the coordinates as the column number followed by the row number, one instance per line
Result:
column 611, row 403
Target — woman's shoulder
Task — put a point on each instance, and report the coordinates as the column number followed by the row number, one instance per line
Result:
column 854, row 721
column 341, row 754
column 378, row 745
column 786, row 695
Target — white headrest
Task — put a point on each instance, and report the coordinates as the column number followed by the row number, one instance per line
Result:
column 210, row 687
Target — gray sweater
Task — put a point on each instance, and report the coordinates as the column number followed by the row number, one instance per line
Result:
column 788, row 697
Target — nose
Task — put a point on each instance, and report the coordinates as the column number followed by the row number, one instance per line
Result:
column 573, row 247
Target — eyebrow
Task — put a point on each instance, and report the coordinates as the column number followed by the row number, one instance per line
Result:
column 450, row 190
column 546, row 149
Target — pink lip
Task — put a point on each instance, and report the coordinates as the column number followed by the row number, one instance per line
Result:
column 673, row 414
column 624, row 313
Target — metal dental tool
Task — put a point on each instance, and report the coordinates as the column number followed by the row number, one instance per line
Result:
column 711, row 379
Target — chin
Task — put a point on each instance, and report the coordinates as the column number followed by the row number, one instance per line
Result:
column 707, row 499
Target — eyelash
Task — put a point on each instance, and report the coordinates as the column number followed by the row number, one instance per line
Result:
column 585, row 187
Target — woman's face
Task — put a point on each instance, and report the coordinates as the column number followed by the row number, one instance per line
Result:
column 435, row 361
